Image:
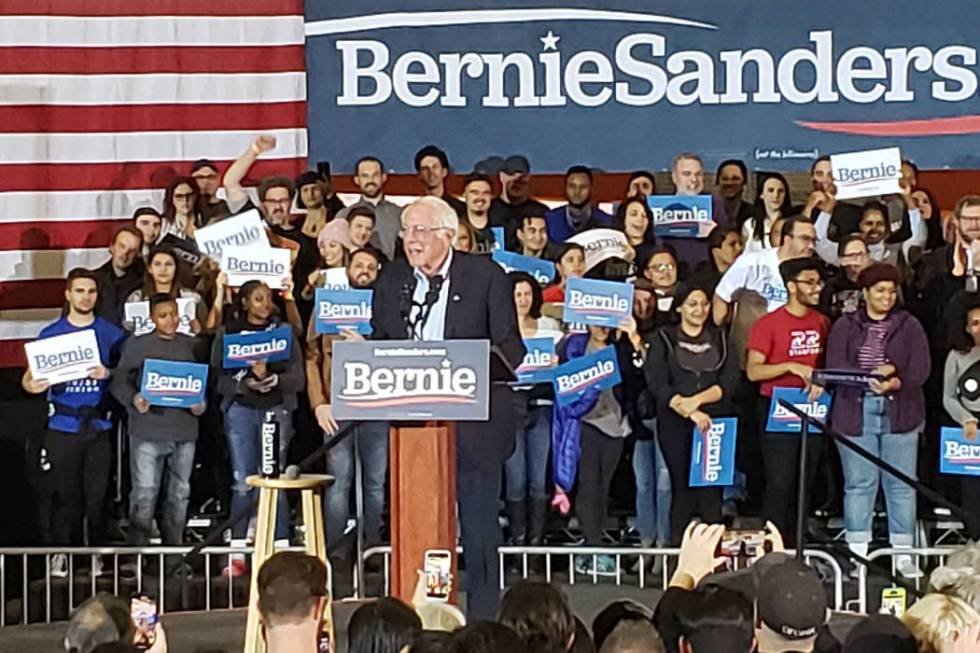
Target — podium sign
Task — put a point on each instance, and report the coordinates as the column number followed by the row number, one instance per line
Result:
column 411, row 380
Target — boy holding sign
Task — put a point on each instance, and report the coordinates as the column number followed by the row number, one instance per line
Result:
column 160, row 438
column 76, row 454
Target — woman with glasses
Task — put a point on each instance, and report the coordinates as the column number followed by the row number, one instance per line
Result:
column 661, row 270
column 842, row 294
column 884, row 418
column 181, row 215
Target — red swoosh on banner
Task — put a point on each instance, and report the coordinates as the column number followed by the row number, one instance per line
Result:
column 923, row 127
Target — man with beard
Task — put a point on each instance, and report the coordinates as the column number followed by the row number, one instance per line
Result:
column 370, row 177
column 372, row 437
column 76, row 455
column 432, row 166
column 148, row 221
column 120, row 275
column 205, row 174
column 687, row 173
column 478, row 193
column 515, row 191
column 579, row 214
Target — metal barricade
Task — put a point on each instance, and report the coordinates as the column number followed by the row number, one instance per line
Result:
column 25, row 576
column 528, row 554
column 919, row 555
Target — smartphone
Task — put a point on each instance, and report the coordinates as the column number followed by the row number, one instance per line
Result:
column 438, row 571
column 742, row 543
column 323, row 170
column 893, row 601
column 143, row 611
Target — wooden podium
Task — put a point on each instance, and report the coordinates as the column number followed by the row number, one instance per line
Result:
column 423, row 500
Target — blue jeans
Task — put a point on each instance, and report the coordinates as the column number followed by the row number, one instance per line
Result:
column 861, row 477
column 372, row 448
column 652, row 491
column 148, row 459
column 526, row 469
column 243, row 426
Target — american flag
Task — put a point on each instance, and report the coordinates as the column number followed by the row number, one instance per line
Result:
column 102, row 102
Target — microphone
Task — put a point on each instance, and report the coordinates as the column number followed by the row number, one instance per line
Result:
column 292, row 472
column 405, row 304
column 425, row 308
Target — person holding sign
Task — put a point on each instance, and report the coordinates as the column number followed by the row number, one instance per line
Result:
column 885, row 418
column 635, row 219
column 334, row 245
column 687, row 173
column 570, row 264
column 161, row 440
column 693, row 377
column 784, row 348
column 76, row 454
column 161, row 278
column 250, row 396
column 961, row 394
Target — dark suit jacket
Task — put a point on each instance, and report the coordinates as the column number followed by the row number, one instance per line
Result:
column 481, row 307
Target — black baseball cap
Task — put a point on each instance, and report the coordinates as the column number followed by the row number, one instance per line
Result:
column 307, row 178
column 791, row 600
column 517, row 163
column 881, row 633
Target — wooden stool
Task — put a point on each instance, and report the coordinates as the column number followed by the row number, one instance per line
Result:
column 310, row 487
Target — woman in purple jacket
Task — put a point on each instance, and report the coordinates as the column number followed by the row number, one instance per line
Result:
column 884, row 419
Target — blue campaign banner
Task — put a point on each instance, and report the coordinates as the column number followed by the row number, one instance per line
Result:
column 173, row 384
column 540, row 269
column 601, row 303
column 498, row 239
column 783, row 421
column 553, row 80
column 599, row 370
column 343, row 309
column 681, row 216
column 957, row 455
column 243, row 349
column 537, row 365
column 713, row 453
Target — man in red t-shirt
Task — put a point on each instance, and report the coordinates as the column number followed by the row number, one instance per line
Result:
column 784, row 348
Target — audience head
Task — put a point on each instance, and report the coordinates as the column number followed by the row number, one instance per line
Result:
column 126, row 248
column 660, row 268
column 429, row 226
column 164, row 314
column 634, row 218
column 797, row 238
column 465, row 240
column 874, row 222
column 527, row 295
column 255, row 302
column 692, row 301
column 571, row 261
column 852, row 252
column 633, row 636
column 966, row 213
column 731, row 178
column 926, row 202
column 540, row 615
column 292, row 589
column 578, row 185
column 821, row 174
column 515, row 178
column 910, row 175
column 484, row 637
column 477, row 193
column 532, row 229
column 81, row 292
column 644, row 303
column 773, row 196
column 101, row 619
column 936, row 618
column 641, row 182
column 725, row 245
column 383, row 626
column 309, row 191
column 161, row 272
column 879, row 633
column 687, row 173
column 363, row 267
column 148, row 221
column 370, row 177
column 432, row 166
column 275, row 197
column 334, row 243
column 880, row 283
column 803, row 279
column 715, row 620
column 360, row 225
column 791, row 607
column 430, row 641
column 205, row 174
column 181, row 198
column 615, row 614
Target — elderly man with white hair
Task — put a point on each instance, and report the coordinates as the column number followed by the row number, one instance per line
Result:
column 435, row 293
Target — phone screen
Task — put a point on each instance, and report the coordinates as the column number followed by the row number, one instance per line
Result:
column 143, row 611
column 893, row 601
column 438, row 575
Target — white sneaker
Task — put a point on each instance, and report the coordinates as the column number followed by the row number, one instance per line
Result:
column 97, row 566
column 58, row 567
column 906, row 566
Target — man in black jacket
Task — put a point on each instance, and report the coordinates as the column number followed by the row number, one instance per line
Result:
column 475, row 301
column 123, row 273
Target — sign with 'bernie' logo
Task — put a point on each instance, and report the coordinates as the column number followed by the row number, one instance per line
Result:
column 957, row 455
column 537, row 366
column 681, row 216
column 600, row 303
column 867, row 173
column 63, row 358
column 343, row 309
column 268, row 264
column 243, row 349
column 173, row 384
column 782, row 420
column 543, row 271
column 713, row 453
column 599, row 370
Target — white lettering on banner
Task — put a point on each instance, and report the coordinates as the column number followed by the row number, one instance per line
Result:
column 712, row 452
column 693, row 214
column 578, row 380
column 805, row 342
column 581, row 301
column 388, row 385
column 814, row 409
column 54, row 362
column 274, row 346
column 962, row 453
column 332, row 311
column 156, row 382
column 536, row 358
column 638, row 75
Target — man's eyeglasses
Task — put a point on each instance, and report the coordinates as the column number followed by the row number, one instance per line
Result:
column 284, row 201
column 661, row 267
column 810, row 282
column 419, row 232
